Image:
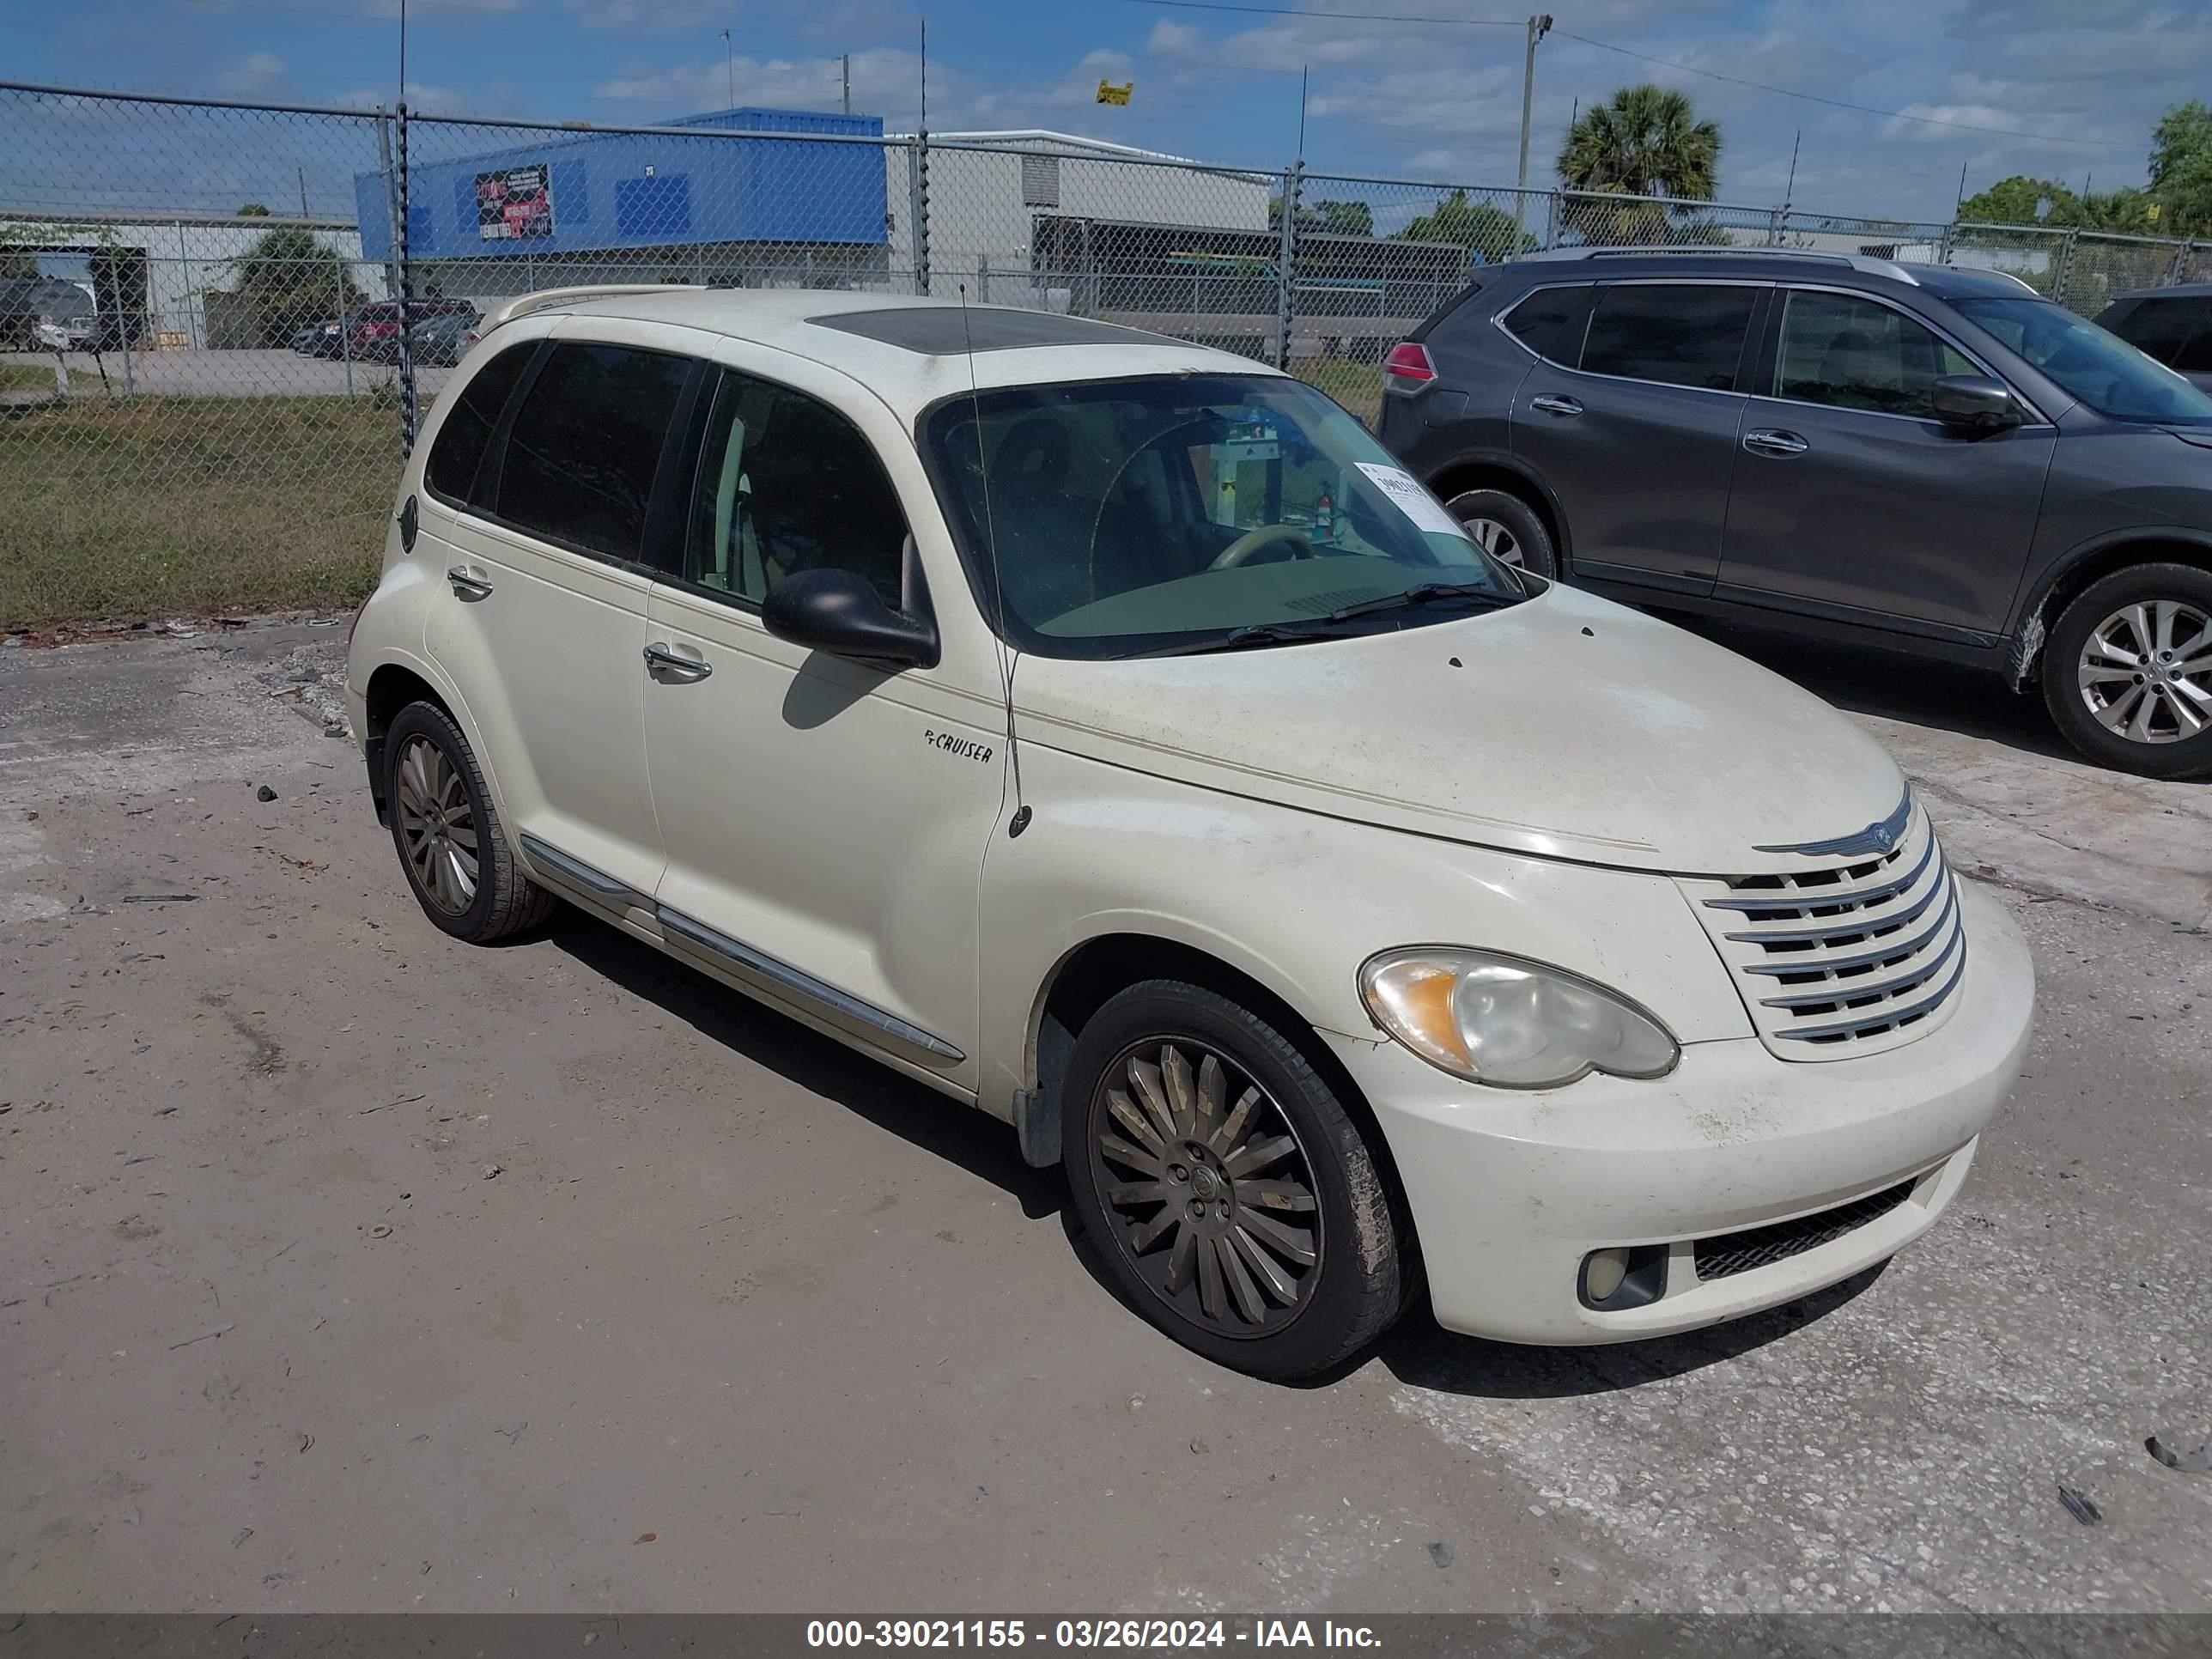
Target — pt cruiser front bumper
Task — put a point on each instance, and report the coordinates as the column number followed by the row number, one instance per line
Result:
column 1511, row 1191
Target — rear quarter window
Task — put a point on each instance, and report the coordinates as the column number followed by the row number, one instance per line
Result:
column 458, row 453
column 1551, row 323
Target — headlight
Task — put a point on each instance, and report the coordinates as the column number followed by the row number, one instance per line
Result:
column 1509, row 1022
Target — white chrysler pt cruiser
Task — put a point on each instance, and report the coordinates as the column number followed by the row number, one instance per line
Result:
column 1105, row 731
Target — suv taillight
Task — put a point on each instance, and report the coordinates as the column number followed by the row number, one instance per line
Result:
column 1408, row 368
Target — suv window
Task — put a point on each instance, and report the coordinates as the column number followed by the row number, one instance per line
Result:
column 1550, row 322
column 1679, row 334
column 2159, row 328
column 452, row 470
column 1853, row 353
column 787, row 483
column 585, row 443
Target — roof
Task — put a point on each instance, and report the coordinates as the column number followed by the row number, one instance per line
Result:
column 1945, row 282
column 911, row 351
column 2168, row 291
column 1044, row 141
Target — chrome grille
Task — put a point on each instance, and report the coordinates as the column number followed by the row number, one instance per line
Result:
column 1848, row 954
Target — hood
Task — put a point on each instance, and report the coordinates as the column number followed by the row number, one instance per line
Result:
column 1566, row 726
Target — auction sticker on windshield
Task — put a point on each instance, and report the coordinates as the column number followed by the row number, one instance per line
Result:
column 1415, row 502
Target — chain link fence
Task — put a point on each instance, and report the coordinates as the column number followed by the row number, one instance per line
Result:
column 219, row 321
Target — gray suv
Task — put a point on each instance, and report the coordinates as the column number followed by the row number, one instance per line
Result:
column 1931, row 460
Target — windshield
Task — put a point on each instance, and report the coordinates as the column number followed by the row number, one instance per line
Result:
column 2101, row 369
column 1168, row 513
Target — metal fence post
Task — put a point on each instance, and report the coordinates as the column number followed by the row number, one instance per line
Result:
column 391, row 233
column 917, row 208
column 1286, row 255
column 406, row 300
column 1550, row 220
column 345, row 334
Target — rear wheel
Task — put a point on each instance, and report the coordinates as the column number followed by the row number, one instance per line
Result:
column 1234, row 1201
column 2127, row 671
column 1507, row 526
column 448, row 834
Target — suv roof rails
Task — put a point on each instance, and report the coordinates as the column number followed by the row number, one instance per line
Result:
column 524, row 304
column 1864, row 262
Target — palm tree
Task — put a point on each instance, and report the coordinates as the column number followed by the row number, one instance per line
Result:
column 1643, row 141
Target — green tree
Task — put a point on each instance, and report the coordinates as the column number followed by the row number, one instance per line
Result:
column 1336, row 218
column 290, row 280
column 253, row 211
column 2019, row 200
column 1643, row 140
column 2181, row 170
column 1480, row 225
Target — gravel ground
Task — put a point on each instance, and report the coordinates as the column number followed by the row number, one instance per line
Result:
column 347, row 1267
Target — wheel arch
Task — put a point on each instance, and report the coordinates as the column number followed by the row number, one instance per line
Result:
column 2091, row 562
column 1495, row 472
column 392, row 686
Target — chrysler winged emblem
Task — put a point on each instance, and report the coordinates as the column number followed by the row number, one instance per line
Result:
column 1881, row 836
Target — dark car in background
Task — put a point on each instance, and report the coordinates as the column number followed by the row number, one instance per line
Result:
column 374, row 335
column 1927, row 458
column 2171, row 326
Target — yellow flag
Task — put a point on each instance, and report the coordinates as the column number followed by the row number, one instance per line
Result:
column 1110, row 94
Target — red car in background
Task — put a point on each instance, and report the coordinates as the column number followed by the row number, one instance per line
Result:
column 373, row 334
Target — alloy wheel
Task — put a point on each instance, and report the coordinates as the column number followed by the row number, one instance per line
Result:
column 2145, row 672
column 437, row 826
column 1495, row 539
column 1206, row 1187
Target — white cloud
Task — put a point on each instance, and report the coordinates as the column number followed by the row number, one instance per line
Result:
column 1170, row 39
column 423, row 99
column 261, row 75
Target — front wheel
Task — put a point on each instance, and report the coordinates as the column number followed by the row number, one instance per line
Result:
column 2127, row 671
column 1506, row 526
column 1234, row 1201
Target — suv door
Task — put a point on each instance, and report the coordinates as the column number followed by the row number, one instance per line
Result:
column 2173, row 329
column 543, row 624
column 1851, row 499
column 1636, row 435
column 824, row 820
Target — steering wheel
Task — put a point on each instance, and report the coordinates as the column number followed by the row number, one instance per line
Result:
column 1266, row 535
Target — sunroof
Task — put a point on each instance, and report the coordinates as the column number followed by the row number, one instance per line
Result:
column 947, row 331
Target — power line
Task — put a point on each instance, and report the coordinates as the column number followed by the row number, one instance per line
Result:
column 1626, row 51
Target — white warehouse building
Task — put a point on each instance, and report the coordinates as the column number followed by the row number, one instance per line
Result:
column 984, row 203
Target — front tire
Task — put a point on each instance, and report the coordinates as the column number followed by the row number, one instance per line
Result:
column 2127, row 671
column 448, row 834
column 1507, row 526
column 1233, row 1200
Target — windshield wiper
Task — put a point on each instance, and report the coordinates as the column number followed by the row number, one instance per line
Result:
column 1479, row 594
column 1238, row 639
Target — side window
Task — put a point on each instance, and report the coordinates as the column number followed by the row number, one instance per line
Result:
column 1679, row 334
column 787, row 483
column 2159, row 328
column 2195, row 356
column 462, row 440
column 585, row 443
column 1852, row 353
column 1551, row 322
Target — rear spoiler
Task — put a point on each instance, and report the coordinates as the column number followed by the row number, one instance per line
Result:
column 523, row 304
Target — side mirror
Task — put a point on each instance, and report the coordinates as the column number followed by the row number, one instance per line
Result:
column 1975, row 402
column 840, row 612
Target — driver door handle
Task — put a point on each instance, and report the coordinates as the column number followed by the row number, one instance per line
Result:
column 1778, row 444
column 1555, row 405
column 466, row 584
column 659, row 660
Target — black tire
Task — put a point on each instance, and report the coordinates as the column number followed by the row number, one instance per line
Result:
column 503, row 899
column 1532, row 547
column 1341, row 1302
column 2179, row 757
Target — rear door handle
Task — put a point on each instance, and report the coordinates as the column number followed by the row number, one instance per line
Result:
column 1554, row 405
column 659, row 660
column 467, row 584
column 1774, row 443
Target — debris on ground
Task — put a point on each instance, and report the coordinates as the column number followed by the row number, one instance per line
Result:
column 161, row 898
column 1441, row 1553
column 2194, row 1462
column 203, row 1336
column 2079, row 1506
column 382, row 1229
column 492, row 1169
column 1198, row 1445
column 264, row 793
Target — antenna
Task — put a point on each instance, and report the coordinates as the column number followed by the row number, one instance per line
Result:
column 1006, row 664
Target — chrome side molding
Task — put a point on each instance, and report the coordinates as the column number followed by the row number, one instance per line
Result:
column 580, row 875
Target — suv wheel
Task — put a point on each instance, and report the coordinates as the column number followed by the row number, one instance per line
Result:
column 2127, row 671
column 1234, row 1202
column 1507, row 526
column 451, row 842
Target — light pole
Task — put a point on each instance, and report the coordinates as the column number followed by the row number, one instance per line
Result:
column 1538, row 27
column 730, row 64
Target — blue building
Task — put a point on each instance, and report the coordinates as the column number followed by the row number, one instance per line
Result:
column 747, row 201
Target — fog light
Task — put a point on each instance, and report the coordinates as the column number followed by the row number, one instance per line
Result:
column 1603, row 1274
column 1611, row 1279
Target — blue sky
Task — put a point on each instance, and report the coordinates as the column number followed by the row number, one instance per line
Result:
column 1412, row 99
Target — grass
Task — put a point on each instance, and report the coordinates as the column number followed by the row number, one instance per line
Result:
column 166, row 507
column 1357, row 387
column 26, row 377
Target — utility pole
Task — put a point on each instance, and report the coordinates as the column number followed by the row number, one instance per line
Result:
column 1539, row 26
column 730, row 64
column 303, row 192
column 849, row 84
